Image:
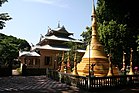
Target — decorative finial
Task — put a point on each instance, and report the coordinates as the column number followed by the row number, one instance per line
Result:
column 75, row 72
column 93, row 10
column 110, row 72
column 58, row 24
column 41, row 37
column 32, row 45
column 68, row 64
column 62, row 64
column 124, row 65
column 124, row 56
column 131, row 68
column 94, row 22
column 48, row 29
column 131, row 50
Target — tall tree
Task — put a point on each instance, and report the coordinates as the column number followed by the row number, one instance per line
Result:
column 124, row 14
column 9, row 48
column 112, row 37
column 3, row 16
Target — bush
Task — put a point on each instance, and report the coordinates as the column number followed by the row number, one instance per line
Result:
column 5, row 71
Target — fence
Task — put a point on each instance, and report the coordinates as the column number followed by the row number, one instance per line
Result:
column 95, row 83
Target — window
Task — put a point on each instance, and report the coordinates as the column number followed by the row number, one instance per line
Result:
column 30, row 61
column 47, row 60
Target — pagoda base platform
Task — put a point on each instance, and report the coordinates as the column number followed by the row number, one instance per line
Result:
column 100, row 69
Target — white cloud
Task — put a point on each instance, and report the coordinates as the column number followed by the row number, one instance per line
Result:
column 59, row 3
column 45, row 1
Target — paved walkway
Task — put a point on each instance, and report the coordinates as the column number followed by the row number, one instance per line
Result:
column 41, row 84
column 34, row 84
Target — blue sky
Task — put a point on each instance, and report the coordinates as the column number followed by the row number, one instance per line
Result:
column 32, row 17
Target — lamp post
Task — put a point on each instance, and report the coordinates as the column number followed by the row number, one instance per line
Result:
column 89, row 60
column 89, row 69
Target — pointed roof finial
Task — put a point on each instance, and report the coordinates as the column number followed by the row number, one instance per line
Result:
column 93, row 9
column 58, row 24
column 94, row 21
column 48, row 29
column 41, row 37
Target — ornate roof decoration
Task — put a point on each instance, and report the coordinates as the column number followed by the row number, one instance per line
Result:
column 58, row 24
column 60, row 31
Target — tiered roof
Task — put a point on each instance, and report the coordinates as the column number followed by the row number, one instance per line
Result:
column 60, row 31
column 59, row 34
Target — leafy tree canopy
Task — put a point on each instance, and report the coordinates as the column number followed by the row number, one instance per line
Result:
column 3, row 16
column 9, row 47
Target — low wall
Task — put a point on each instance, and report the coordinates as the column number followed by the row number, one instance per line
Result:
column 96, row 83
column 34, row 71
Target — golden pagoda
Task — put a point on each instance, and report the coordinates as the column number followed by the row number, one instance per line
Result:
column 94, row 54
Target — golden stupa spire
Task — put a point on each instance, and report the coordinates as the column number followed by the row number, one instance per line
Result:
column 94, row 21
column 94, row 44
column 131, row 68
column 94, row 53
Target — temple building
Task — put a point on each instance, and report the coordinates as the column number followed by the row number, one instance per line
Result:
column 45, row 54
